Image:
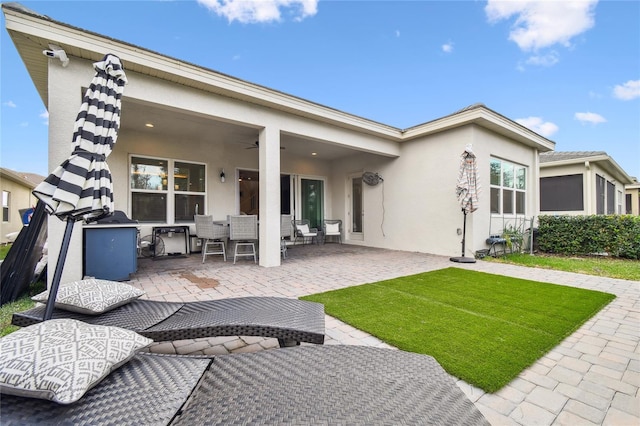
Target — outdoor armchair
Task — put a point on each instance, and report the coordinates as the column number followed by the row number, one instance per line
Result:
column 332, row 229
column 302, row 229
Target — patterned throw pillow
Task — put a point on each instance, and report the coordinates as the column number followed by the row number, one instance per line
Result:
column 91, row 296
column 60, row 360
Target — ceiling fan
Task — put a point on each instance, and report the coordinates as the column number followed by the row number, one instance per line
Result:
column 256, row 144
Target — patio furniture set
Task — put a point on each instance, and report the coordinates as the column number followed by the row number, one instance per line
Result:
column 243, row 231
column 52, row 372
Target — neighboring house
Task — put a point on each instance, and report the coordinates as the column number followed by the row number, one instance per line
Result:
column 184, row 126
column 632, row 198
column 581, row 183
column 16, row 196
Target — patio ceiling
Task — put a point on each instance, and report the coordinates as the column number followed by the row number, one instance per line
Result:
column 184, row 125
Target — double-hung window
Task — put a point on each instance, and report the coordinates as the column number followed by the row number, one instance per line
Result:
column 165, row 190
column 6, row 200
column 508, row 183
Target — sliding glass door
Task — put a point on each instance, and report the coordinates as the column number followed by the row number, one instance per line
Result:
column 312, row 201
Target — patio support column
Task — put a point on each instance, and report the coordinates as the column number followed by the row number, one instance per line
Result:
column 269, row 161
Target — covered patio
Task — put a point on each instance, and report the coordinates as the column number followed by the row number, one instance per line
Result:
column 590, row 378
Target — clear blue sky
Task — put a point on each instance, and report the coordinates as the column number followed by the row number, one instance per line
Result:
column 570, row 73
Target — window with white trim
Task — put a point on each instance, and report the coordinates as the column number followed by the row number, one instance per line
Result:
column 6, row 200
column 165, row 190
column 508, row 187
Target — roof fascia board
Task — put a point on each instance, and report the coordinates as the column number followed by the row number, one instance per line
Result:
column 485, row 118
column 605, row 161
column 17, row 178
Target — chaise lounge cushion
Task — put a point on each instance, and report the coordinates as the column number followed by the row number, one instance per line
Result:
column 60, row 360
column 91, row 296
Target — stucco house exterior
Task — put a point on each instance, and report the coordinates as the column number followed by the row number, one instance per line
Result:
column 280, row 154
column 16, row 190
column 632, row 198
column 581, row 183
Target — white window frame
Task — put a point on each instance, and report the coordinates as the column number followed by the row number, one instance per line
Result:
column 501, row 187
column 170, row 191
column 6, row 206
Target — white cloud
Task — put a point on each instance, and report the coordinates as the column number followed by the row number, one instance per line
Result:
column 24, row 124
column 10, row 104
column 253, row 11
column 590, row 117
column 543, row 23
column 544, row 128
column 44, row 115
column 447, row 47
column 397, row 33
column 546, row 60
column 627, row 91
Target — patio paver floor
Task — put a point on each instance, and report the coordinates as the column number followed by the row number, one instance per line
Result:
column 592, row 377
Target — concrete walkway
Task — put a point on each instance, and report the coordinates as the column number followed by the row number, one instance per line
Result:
column 591, row 378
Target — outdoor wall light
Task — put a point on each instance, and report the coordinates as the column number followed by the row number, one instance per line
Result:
column 222, row 176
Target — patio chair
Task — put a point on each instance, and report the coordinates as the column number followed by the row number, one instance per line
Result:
column 243, row 229
column 291, row 321
column 285, row 232
column 333, row 229
column 302, row 229
column 212, row 236
column 305, row 385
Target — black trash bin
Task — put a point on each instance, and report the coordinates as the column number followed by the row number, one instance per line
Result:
column 534, row 241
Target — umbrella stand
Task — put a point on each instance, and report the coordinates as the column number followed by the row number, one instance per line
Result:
column 463, row 259
column 57, row 275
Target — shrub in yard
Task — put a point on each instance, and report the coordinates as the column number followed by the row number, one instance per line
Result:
column 616, row 235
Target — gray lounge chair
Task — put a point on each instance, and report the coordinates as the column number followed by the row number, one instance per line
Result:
column 291, row 321
column 352, row 385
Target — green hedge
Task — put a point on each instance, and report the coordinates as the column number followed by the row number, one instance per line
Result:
column 616, row 235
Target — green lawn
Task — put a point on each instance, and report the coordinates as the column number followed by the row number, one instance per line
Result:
column 22, row 304
column 600, row 266
column 482, row 328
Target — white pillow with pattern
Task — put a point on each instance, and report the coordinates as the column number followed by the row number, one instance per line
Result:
column 60, row 360
column 91, row 296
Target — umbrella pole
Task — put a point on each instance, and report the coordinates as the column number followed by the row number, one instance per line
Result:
column 463, row 259
column 57, row 275
column 464, row 230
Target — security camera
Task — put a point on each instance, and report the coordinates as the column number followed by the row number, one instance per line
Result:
column 56, row 52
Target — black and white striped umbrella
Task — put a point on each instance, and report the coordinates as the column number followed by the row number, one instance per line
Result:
column 81, row 186
column 467, row 187
column 467, row 190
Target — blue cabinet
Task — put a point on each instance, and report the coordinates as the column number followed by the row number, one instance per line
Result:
column 110, row 252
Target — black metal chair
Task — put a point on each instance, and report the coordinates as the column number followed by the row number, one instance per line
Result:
column 332, row 229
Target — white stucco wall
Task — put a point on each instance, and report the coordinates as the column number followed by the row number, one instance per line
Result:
column 414, row 209
column 65, row 98
column 420, row 211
